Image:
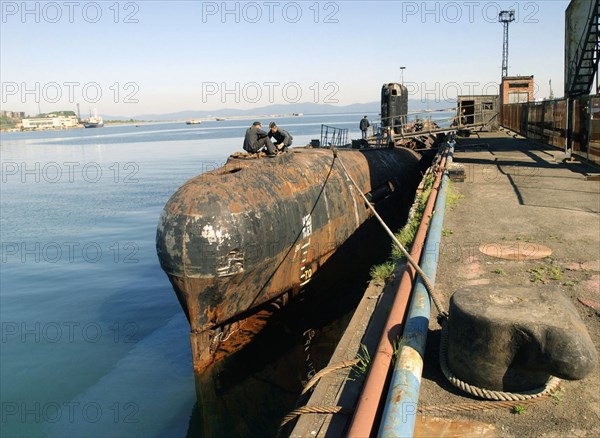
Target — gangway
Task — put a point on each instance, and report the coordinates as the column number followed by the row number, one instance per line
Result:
column 432, row 122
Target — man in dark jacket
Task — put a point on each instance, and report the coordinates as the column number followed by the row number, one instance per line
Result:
column 364, row 125
column 283, row 139
column 256, row 139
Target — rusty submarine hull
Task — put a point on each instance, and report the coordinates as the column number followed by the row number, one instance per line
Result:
column 241, row 241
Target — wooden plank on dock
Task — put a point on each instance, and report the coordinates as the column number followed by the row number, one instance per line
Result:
column 336, row 389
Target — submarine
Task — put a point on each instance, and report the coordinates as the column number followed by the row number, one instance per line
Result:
column 243, row 240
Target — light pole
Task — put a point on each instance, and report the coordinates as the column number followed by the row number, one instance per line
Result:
column 505, row 17
column 402, row 75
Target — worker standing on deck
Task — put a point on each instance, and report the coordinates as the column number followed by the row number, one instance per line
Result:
column 256, row 139
column 463, row 117
column 283, row 139
column 364, row 125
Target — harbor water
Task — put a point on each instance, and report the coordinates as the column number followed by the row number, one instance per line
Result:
column 93, row 340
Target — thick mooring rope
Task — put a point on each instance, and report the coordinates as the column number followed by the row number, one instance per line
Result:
column 337, row 366
column 432, row 293
column 552, row 384
column 319, row 409
column 314, row 410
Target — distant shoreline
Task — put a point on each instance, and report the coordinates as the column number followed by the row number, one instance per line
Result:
column 144, row 122
column 134, row 122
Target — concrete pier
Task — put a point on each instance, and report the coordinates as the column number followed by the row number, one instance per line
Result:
column 521, row 195
column 518, row 216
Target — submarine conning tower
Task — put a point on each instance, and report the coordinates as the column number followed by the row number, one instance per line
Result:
column 394, row 106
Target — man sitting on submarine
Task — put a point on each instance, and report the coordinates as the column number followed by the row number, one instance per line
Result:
column 283, row 139
column 256, row 139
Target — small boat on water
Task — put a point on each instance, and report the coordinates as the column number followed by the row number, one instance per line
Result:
column 219, row 119
column 94, row 121
column 193, row 122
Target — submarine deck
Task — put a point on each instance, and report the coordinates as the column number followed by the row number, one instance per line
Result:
column 514, row 190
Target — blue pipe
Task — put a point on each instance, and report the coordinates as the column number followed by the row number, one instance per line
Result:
column 400, row 409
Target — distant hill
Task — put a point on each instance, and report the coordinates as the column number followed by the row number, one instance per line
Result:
column 305, row 108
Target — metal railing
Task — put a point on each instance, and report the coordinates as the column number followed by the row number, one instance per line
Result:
column 422, row 122
column 331, row 136
column 418, row 121
column 569, row 124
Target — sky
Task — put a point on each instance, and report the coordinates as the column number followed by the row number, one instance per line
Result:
column 153, row 57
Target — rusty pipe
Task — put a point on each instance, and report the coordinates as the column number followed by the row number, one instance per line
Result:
column 369, row 401
column 400, row 412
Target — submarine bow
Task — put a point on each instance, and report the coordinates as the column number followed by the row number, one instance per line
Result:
column 234, row 239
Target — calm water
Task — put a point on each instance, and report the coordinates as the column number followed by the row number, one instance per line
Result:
column 93, row 340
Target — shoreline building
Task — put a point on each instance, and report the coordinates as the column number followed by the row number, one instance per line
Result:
column 50, row 122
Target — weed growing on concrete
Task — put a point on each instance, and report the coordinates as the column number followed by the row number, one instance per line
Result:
column 452, row 196
column 382, row 271
column 538, row 275
column 555, row 273
column 569, row 283
column 545, row 272
column 501, row 272
column 557, row 238
column 406, row 235
column 360, row 370
column 519, row 409
column 427, row 185
column 557, row 395
column 525, row 239
column 447, row 232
